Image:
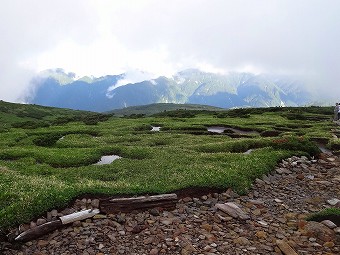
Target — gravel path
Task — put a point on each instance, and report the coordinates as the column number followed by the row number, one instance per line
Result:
column 270, row 219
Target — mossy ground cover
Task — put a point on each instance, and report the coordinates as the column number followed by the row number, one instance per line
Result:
column 46, row 167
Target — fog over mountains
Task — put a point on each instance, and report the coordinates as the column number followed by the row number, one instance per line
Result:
column 60, row 89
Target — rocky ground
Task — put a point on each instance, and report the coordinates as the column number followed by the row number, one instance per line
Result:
column 270, row 219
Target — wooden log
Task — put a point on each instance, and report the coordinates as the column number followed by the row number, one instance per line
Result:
column 43, row 229
column 38, row 231
column 166, row 201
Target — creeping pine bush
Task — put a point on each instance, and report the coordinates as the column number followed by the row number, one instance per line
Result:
column 30, row 124
column 94, row 118
column 46, row 140
column 134, row 116
column 177, row 114
column 331, row 213
column 296, row 144
column 65, row 120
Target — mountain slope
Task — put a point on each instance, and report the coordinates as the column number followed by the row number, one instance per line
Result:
column 190, row 86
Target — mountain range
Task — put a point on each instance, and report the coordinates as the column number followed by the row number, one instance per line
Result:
column 58, row 88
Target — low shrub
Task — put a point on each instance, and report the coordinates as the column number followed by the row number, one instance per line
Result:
column 94, row 118
column 134, row 116
column 293, row 143
column 332, row 214
column 177, row 114
column 30, row 124
column 46, row 140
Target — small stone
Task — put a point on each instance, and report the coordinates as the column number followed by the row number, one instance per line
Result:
column 150, row 222
column 261, row 234
column 154, row 212
column 154, row 251
column 256, row 212
column 263, row 223
column 300, row 177
column 278, row 200
column 42, row 243
column 326, row 183
column 187, row 199
column 95, row 203
column 41, row 221
column 283, row 171
column 54, row 213
column 112, row 237
column 148, row 240
column 333, row 201
column 120, row 218
column 207, row 227
column 329, row 244
column 99, row 216
column 329, row 224
column 137, row 229
column 242, row 241
column 279, row 236
column 259, row 181
column 48, row 216
column 301, row 224
column 202, row 237
column 310, row 177
column 33, row 224
column 166, row 222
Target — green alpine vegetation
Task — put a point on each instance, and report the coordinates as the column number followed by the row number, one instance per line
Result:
column 48, row 155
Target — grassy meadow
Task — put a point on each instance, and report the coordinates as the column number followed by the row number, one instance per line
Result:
column 47, row 160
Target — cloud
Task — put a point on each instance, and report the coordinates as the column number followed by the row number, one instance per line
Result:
column 130, row 76
column 161, row 37
column 30, row 28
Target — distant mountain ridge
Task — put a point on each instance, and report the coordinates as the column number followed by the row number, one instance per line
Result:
column 59, row 89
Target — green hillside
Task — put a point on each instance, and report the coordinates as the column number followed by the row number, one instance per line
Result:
column 161, row 107
column 33, row 116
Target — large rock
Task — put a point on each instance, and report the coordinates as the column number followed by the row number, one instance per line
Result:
column 320, row 231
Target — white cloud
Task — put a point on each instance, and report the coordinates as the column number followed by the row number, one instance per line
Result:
column 160, row 37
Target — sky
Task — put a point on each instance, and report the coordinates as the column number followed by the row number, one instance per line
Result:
column 149, row 38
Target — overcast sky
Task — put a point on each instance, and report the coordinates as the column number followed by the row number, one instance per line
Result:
column 160, row 37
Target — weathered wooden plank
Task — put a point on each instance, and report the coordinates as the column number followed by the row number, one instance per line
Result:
column 138, row 203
